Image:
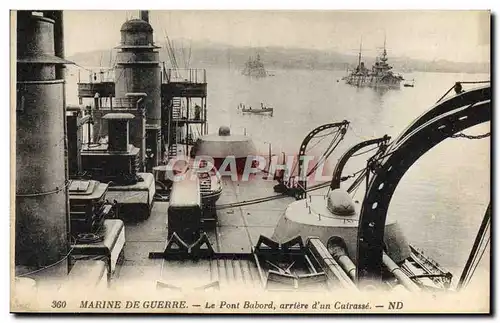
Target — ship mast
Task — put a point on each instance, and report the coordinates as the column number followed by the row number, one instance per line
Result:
column 384, row 53
column 360, row 48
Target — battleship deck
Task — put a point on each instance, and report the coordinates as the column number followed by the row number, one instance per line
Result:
column 237, row 231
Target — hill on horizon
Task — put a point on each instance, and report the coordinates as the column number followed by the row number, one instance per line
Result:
column 205, row 54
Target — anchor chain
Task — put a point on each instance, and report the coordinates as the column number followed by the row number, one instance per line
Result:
column 463, row 135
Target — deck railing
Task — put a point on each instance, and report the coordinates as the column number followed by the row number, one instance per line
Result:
column 97, row 75
column 189, row 75
column 111, row 103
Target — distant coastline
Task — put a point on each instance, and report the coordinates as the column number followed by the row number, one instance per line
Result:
column 211, row 55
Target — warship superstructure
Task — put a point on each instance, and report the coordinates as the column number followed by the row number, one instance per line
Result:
column 379, row 76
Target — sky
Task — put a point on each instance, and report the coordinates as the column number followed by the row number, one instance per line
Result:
column 461, row 36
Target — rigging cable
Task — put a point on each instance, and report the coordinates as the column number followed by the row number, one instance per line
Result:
column 364, row 152
column 276, row 197
column 477, row 262
column 326, row 155
column 169, row 49
column 349, row 126
column 457, row 135
column 183, row 52
column 54, row 191
column 364, row 171
column 110, row 59
column 172, row 56
column 322, row 136
column 329, row 150
column 48, row 266
column 458, row 83
column 473, row 261
column 189, row 57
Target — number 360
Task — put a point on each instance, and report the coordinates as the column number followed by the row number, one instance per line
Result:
column 58, row 304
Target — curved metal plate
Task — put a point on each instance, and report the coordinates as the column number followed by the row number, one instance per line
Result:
column 392, row 168
column 302, row 150
column 466, row 98
column 337, row 173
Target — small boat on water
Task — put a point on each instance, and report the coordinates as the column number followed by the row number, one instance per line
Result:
column 263, row 109
column 410, row 84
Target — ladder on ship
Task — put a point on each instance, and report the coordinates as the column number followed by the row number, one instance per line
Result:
column 176, row 115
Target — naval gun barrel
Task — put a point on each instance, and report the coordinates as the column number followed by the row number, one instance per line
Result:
column 329, row 265
column 339, row 253
column 399, row 274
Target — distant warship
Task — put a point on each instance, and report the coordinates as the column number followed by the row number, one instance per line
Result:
column 380, row 75
column 254, row 68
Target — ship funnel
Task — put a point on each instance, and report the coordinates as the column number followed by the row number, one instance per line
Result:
column 145, row 15
column 118, row 131
column 41, row 237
